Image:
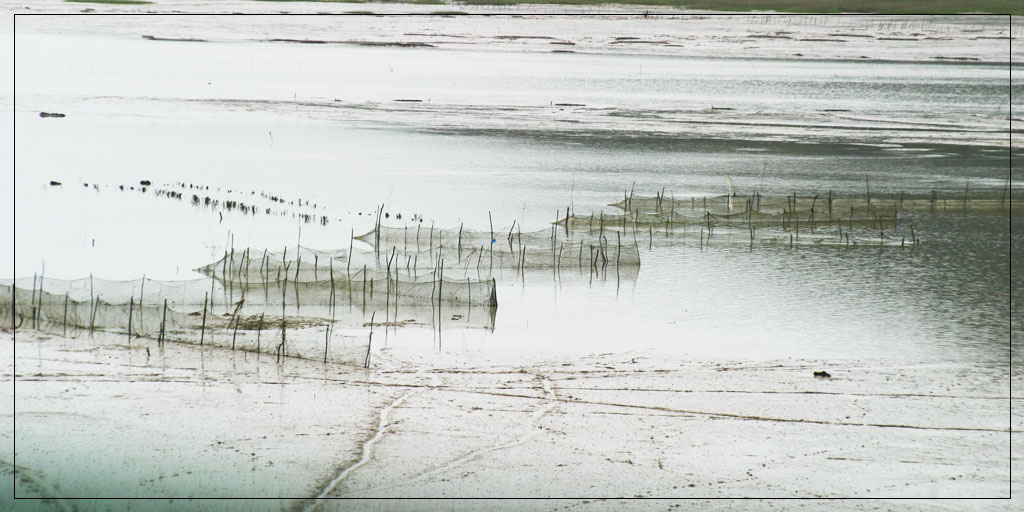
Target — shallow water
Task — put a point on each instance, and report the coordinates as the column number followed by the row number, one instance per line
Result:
column 488, row 139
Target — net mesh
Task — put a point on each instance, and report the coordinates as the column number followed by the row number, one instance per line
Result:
column 312, row 274
column 484, row 252
column 285, row 319
column 823, row 219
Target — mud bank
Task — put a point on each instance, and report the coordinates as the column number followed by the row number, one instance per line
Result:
column 187, row 423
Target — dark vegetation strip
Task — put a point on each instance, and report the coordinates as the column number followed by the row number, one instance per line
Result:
column 127, row 2
column 802, row 6
column 787, row 6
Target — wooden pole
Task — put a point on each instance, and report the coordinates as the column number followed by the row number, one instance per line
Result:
column 163, row 324
column 235, row 333
column 366, row 361
column 202, row 330
column 92, row 308
column 32, row 303
column 142, row 290
column 65, row 314
column 131, row 305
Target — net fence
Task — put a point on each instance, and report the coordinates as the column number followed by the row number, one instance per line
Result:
column 485, row 252
column 330, row 276
column 284, row 319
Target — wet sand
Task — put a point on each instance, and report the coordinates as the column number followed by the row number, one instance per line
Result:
column 99, row 418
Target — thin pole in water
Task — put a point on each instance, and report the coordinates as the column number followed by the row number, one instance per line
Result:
column 131, row 305
column 235, row 333
column 259, row 332
column 163, row 324
column 92, row 308
column 348, row 266
column 32, row 303
column 142, row 290
column 202, row 330
column 366, row 361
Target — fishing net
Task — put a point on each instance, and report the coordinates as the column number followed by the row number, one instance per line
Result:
column 466, row 251
column 788, row 220
column 329, row 276
column 284, row 319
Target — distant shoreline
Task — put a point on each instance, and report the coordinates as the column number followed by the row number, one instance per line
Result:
column 782, row 6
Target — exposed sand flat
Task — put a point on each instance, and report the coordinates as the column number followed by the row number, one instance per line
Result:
column 618, row 29
column 187, row 422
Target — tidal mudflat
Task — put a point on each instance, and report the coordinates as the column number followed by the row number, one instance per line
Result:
column 342, row 261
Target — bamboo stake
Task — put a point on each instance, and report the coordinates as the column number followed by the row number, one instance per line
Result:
column 163, row 324
column 366, row 361
column 202, row 330
column 259, row 333
column 32, row 303
column 142, row 290
column 131, row 305
column 348, row 265
column 92, row 308
column 39, row 310
column 284, row 319
column 235, row 333
column 65, row 314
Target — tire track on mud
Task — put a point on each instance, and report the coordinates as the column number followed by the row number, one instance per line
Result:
column 38, row 484
column 553, row 401
column 382, row 427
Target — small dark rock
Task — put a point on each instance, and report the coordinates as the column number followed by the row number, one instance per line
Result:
column 51, row 114
column 145, row 183
column 54, row 183
column 822, row 375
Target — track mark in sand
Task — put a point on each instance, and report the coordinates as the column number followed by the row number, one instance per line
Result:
column 36, row 483
column 382, row 426
column 549, row 393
